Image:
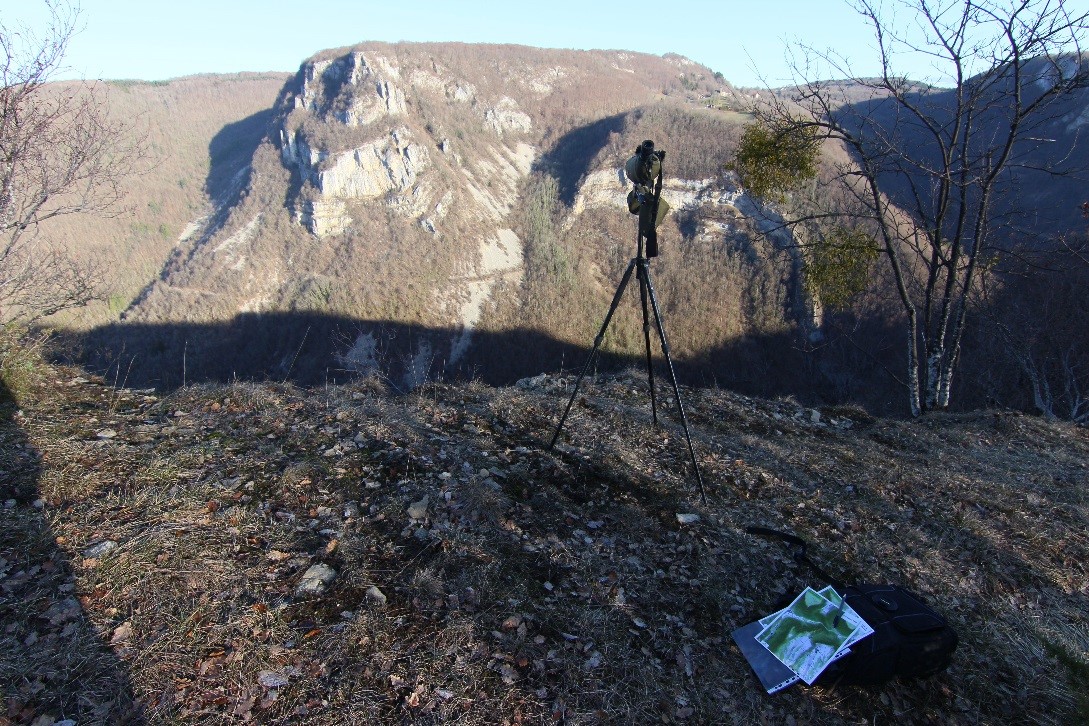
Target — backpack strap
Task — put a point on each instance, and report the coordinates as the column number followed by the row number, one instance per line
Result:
column 798, row 547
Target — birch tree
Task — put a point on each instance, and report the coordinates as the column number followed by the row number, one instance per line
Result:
column 60, row 154
column 934, row 171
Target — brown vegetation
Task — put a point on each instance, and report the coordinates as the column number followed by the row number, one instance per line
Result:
column 481, row 579
column 198, row 130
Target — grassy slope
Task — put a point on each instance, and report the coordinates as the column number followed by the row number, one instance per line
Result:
column 519, row 585
column 193, row 126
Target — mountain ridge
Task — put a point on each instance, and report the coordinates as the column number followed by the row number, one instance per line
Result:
column 400, row 142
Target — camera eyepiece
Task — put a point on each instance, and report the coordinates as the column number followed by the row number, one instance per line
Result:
column 645, row 165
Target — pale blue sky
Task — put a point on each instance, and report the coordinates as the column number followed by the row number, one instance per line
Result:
column 153, row 40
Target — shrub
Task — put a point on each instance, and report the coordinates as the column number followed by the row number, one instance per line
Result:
column 20, row 362
column 770, row 161
column 839, row 265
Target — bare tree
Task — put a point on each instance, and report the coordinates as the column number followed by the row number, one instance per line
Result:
column 60, row 154
column 1038, row 316
column 934, row 172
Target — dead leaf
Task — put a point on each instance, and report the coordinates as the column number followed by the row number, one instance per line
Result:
column 273, row 679
column 122, row 633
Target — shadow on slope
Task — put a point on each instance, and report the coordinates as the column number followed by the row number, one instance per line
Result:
column 570, row 158
column 230, row 153
column 313, row 349
column 1042, row 189
column 230, row 157
column 53, row 663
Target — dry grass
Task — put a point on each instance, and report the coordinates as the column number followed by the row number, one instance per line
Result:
column 531, row 587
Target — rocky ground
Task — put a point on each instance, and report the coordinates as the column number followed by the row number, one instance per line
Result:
column 261, row 553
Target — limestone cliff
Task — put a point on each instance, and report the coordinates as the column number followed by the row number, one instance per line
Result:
column 350, row 135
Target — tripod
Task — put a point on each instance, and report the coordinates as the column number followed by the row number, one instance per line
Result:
column 641, row 266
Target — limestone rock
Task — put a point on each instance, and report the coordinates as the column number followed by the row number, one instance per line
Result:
column 315, row 581
column 507, row 117
column 388, row 164
column 418, row 510
column 376, row 596
column 100, row 549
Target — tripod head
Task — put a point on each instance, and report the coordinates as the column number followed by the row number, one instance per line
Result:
column 644, row 169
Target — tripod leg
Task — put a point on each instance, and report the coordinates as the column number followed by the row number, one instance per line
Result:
column 673, row 380
column 593, row 353
column 642, row 273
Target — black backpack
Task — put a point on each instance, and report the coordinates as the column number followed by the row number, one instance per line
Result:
column 909, row 640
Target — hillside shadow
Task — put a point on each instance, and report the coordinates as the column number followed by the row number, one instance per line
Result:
column 310, row 349
column 313, row 349
column 570, row 158
column 1043, row 185
column 53, row 663
column 230, row 153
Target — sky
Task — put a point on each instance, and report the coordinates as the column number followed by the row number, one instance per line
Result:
column 157, row 40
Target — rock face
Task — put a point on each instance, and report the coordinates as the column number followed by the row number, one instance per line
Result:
column 352, row 91
column 347, row 132
column 349, row 135
column 392, row 163
column 505, row 116
column 388, row 165
column 327, row 89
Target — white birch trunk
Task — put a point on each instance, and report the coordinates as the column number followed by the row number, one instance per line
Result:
column 933, row 375
column 1041, row 391
column 945, row 387
column 913, row 368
